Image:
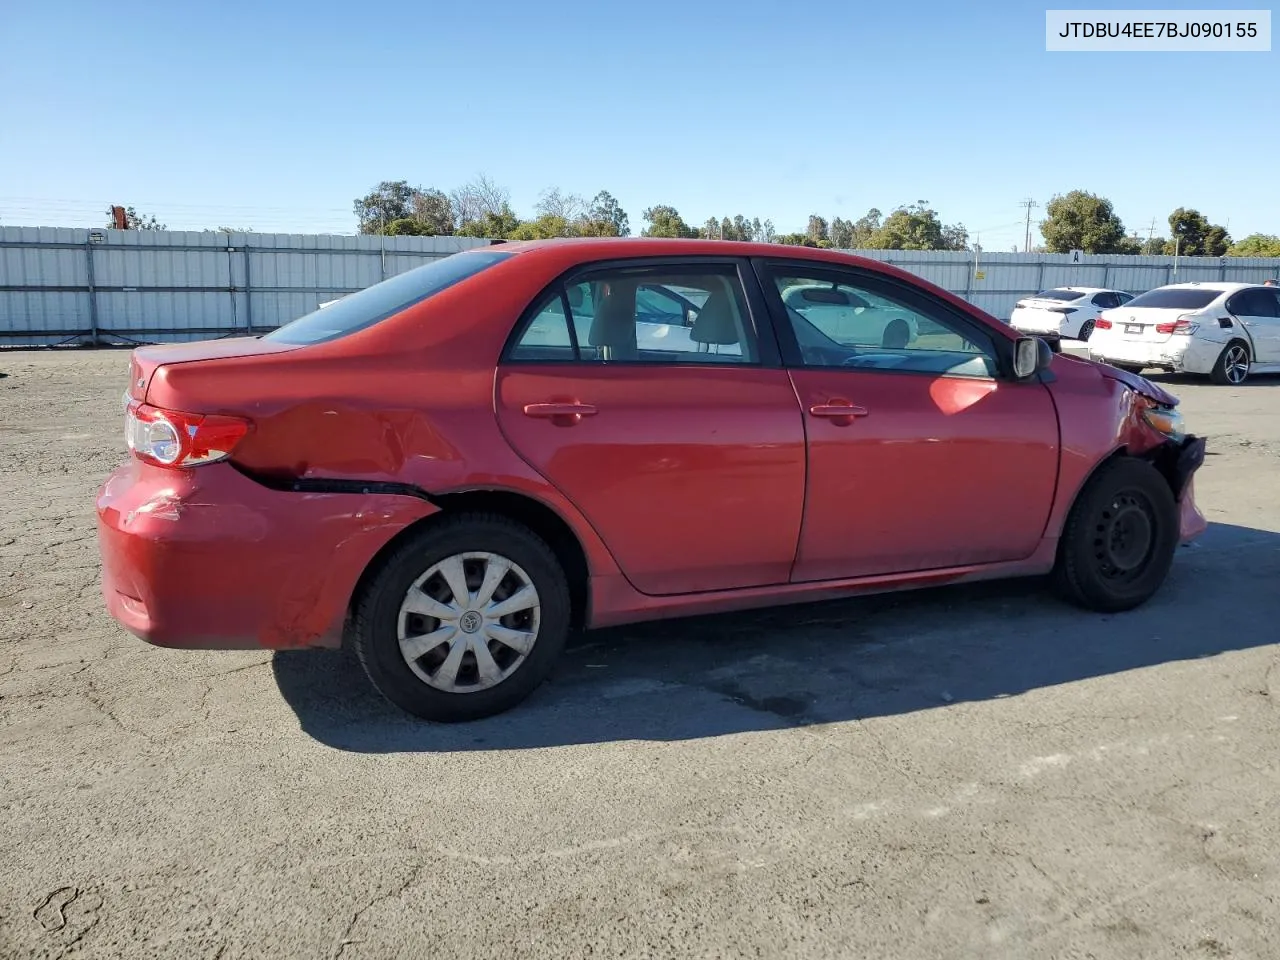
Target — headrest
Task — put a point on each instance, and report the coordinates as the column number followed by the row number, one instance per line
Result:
column 614, row 323
column 716, row 322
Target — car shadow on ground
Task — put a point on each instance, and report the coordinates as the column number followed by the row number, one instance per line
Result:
column 824, row 662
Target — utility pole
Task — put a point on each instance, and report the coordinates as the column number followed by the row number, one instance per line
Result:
column 1028, row 203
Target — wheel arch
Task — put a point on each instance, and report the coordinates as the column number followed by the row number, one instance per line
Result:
column 528, row 511
column 1154, row 456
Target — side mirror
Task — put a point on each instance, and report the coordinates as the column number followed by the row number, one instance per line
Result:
column 1030, row 356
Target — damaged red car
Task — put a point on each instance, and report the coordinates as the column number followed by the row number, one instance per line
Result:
column 456, row 468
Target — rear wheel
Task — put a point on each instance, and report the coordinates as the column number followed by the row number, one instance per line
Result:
column 1119, row 540
column 1232, row 368
column 1086, row 329
column 464, row 620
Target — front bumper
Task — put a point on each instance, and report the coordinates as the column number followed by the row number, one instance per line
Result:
column 1178, row 463
column 208, row 558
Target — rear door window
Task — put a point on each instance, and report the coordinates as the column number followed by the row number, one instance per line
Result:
column 1257, row 302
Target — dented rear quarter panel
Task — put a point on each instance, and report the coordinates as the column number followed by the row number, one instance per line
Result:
column 185, row 550
column 409, row 400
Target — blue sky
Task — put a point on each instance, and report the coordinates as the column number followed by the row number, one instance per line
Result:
column 277, row 115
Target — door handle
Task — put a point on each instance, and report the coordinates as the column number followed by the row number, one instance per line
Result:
column 564, row 414
column 841, row 413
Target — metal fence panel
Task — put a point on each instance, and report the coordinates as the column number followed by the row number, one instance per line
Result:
column 67, row 285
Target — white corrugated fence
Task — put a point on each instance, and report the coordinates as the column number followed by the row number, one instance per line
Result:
column 61, row 285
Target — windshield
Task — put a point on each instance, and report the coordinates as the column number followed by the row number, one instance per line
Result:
column 382, row 300
column 1059, row 295
column 1175, row 298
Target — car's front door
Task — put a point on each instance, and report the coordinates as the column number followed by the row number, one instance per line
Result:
column 1258, row 308
column 920, row 457
column 681, row 443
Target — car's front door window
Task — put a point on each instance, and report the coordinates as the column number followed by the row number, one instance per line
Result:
column 841, row 321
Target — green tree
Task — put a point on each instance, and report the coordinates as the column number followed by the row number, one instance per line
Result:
column 389, row 201
column 817, row 229
column 865, row 230
column 546, row 227
column 918, row 227
column 1154, row 247
column 841, row 233
column 795, row 240
column 1080, row 220
column 433, row 212
column 1256, row 245
column 605, row 218
column 665, row 221
column 500, row 224
column 1192, row 235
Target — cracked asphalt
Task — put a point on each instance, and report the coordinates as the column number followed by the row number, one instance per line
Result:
column 965, row 772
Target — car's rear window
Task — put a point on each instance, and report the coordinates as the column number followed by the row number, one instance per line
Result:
column 1059, row 295
column 1175, row 298
column 382, row 300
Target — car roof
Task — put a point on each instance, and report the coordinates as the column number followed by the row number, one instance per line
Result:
column 1083, row 289
column 589, row 248
column 1221, row 286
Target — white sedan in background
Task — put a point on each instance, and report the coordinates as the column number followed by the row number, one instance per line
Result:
column 1225, row 330
column 1070, row 312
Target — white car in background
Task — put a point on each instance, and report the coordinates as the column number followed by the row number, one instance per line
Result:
column 1070, row 312
column 1225, row 330
column 851, row 317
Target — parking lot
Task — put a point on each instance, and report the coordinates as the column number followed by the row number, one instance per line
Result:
column 964, row 772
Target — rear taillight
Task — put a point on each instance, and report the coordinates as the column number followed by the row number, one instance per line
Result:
column 1101, row 324
column 1181, row 325
column 172, row 439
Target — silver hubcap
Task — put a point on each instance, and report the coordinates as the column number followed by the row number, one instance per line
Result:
column 469, row 622
column 1236, row 364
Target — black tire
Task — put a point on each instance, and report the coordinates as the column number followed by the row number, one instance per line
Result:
column 1086, row 330
column 1129, row 367
column 896, row 336
column 1107, row 561
column 1225, row 368
column 377, row 611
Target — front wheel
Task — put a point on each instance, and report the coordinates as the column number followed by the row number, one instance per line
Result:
column 1119, row 539
column 464, row 620
column 1232, row 368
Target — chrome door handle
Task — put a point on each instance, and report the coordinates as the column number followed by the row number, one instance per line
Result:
column 564, row 414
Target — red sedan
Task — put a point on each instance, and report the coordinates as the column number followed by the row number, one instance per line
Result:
column 456, row 468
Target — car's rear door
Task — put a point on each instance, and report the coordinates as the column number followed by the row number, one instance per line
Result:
column 1258, row 308
column 920, row 457
column 683, row 446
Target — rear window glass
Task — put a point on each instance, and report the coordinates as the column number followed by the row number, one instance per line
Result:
column 382, row 300
column 1175, row 298
column 1059, row 295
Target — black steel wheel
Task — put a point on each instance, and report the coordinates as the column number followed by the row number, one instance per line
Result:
column 1119, row 539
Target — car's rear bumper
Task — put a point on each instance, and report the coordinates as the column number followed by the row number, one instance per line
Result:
column 1181, row 354
column 209, row 558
